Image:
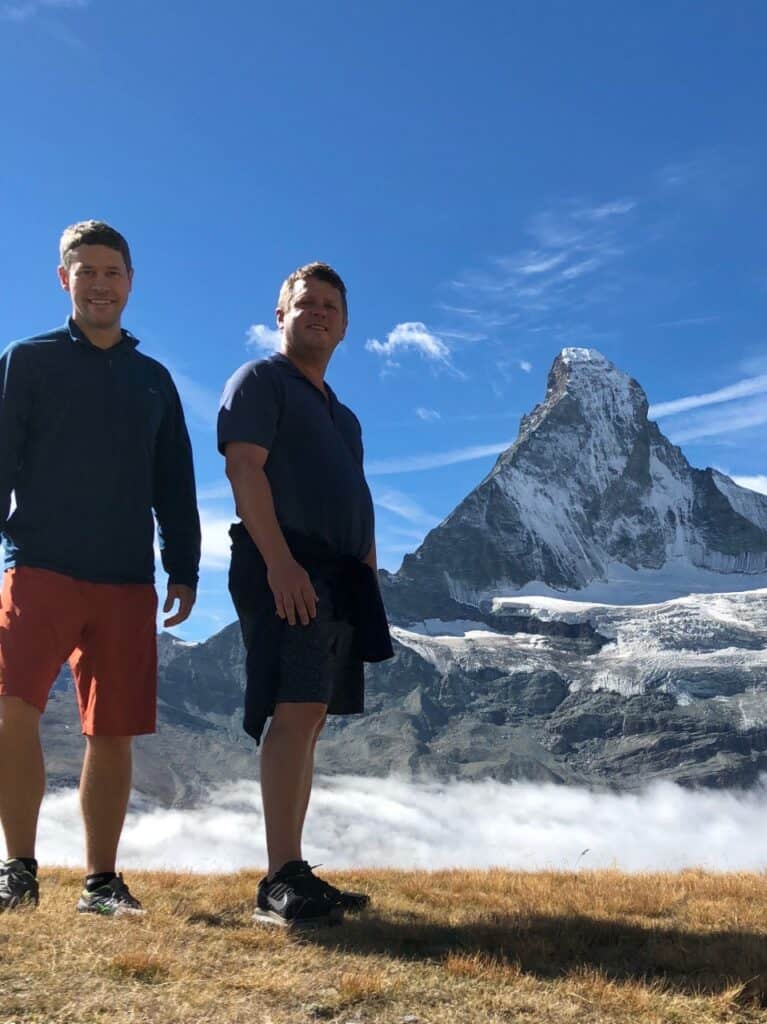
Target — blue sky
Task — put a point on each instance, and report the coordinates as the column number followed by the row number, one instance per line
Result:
column 495, row 181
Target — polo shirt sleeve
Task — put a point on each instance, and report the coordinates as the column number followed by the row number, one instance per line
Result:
column 15, row 403
column 250, row 407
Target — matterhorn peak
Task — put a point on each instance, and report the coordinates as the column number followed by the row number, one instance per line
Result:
column 584, row 356
column 582, row 370
column 590, row 488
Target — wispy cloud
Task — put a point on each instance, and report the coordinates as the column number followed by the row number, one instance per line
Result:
column 681, row 173
column 713, row 177
column 23, row 10
column 433, row 460
column 579, row 269
column 405, row 507
column 689, row 321
column 542, row 265
column 263, row 338
column 527, row 367
column 614, row 209
column 738, row 416
column 570, row 243
column 742, row 389
column 198, row 401
column 428, row 415
column 357, row 822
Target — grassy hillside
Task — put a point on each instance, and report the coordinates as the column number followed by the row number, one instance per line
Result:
column 452, row 946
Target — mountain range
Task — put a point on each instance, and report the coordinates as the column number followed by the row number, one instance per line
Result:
column 593, row 612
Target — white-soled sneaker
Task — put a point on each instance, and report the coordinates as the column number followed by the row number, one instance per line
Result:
column 114, row 899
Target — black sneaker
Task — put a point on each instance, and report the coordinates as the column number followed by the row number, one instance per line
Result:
column 294, row 898
column 111, row 900
column 18, row 887
column 348, row 901
column 353, row 902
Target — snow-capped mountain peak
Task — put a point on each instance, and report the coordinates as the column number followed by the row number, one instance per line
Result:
column 590, row 491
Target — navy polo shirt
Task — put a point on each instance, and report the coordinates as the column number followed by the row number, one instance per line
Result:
column 314, row 466
column 93, row 441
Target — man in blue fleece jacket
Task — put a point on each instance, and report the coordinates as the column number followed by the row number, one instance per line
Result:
column 94, row 446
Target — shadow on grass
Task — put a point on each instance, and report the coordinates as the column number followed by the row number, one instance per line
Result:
column 693, row 963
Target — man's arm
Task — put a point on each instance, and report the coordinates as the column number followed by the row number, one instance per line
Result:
column 14, row 404
column 175, row 505
column 294, row 595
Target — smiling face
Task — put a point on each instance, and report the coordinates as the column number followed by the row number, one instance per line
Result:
column 314, row 320
column 99, row 284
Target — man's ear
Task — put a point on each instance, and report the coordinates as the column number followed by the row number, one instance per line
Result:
column 279, row 316
column 63, row 277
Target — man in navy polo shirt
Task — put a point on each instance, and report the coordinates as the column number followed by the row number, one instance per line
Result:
column 302, row 575
column 94, row 446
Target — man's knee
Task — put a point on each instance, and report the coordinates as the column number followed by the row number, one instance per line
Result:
column 300, row 719
column 109, row 744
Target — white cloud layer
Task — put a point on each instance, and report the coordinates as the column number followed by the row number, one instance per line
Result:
column 263, row 338
column 362, row 822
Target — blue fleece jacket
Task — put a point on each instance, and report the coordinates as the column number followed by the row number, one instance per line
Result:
column 93, row 441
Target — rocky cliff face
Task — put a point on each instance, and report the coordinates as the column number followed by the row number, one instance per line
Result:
column 590, row 483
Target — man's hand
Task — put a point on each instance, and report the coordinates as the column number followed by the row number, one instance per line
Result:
column 294, row 595
column 185, row 597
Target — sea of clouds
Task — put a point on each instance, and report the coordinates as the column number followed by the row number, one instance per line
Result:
column 364, row 822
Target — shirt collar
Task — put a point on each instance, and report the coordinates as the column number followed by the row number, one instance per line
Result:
column 77, row 335
column 282, row 360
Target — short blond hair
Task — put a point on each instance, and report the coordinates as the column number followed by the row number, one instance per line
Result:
column 92, row 232
column 323, row 272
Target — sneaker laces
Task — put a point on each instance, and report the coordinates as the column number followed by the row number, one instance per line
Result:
column 321, row 885
column 122, row 893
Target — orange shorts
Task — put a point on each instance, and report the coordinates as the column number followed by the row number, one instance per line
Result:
column 106, row 631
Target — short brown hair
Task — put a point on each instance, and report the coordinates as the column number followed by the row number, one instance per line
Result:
column 92, row 232
column 323, row 272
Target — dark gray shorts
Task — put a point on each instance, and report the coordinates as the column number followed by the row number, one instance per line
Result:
column 317, row 663
column 314, row 659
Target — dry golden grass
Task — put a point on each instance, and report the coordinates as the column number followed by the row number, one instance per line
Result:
column 442, row 948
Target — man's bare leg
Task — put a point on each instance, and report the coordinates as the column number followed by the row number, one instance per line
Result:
column 104, row 790
column 22, row 775
column 285, row 760
column 309, row 778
